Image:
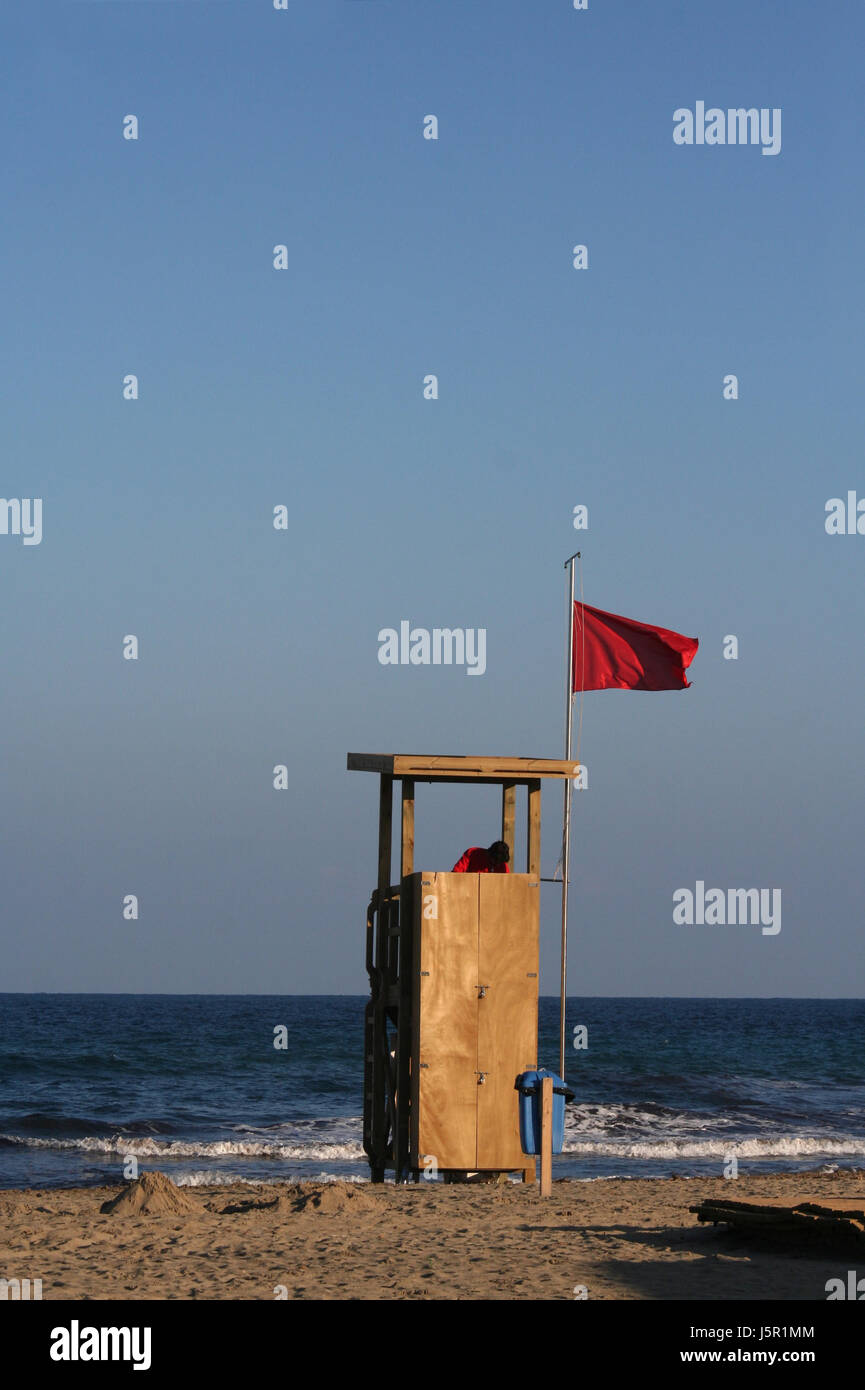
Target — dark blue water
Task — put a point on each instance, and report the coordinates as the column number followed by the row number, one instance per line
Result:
column 193, row 1085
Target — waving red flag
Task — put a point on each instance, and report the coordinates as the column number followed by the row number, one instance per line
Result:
column 614, row 653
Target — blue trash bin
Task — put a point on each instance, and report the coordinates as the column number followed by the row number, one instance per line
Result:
column 529, row 1086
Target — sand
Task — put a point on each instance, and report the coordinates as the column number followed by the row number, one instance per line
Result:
column 153, row 1194
column 621, row 1239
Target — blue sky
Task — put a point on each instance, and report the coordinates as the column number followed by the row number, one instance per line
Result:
column 303, row 387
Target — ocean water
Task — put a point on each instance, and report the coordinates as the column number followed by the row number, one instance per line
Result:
column 193, row 1085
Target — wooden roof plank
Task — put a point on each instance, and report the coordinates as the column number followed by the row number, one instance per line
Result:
column 461, row 767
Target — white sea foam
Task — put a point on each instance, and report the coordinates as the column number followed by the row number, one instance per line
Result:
column 177, row 1148
column 613, row 1119
column 214, row 1178
column 770, row 1146
column 666, row 1147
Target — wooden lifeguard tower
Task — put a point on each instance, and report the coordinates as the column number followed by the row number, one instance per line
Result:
column 452, row 960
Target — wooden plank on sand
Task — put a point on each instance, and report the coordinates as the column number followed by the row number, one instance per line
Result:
column 809, row 1219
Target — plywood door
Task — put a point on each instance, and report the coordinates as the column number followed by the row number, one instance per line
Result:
column 446, row 1011
column 507, row 1010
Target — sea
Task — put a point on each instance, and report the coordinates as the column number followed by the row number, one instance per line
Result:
column 217, row 1089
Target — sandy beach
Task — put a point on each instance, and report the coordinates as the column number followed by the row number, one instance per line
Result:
column 621, row 1239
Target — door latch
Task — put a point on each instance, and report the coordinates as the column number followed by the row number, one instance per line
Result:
column 482, row 990
column 481, row 1076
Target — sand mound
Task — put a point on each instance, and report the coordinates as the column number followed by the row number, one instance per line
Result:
column 333, row 1198
column 153, row 1194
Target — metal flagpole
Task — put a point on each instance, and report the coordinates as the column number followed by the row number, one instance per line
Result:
column 566, row 819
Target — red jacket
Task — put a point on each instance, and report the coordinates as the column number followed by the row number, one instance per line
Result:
column 477, row 861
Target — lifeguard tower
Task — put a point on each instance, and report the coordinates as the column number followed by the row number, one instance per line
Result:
column 452, row 960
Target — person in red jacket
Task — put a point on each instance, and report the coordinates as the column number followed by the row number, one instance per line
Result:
column 485, row 861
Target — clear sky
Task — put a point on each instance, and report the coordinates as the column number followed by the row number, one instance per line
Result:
column 304, row 387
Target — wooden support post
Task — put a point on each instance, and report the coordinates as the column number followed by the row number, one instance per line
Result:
column 378, row 1107
column 533, row 837
column 385, row 827
column 547, row 1136
column 509, row 816
column 386, row 911
column 533, row 867
column 407, row 851
column 401, row 1137
column 404, row 1028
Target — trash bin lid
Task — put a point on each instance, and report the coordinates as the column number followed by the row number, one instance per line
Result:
column 528, row 1083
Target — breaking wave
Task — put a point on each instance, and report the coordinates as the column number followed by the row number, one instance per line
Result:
column 215, row 1178
column 770, row 1146
column 183, row 1149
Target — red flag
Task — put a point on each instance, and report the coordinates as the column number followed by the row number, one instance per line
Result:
column 613, row 653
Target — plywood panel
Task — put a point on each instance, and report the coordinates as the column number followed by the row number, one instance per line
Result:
column 446, row 956
column 507, row 1011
